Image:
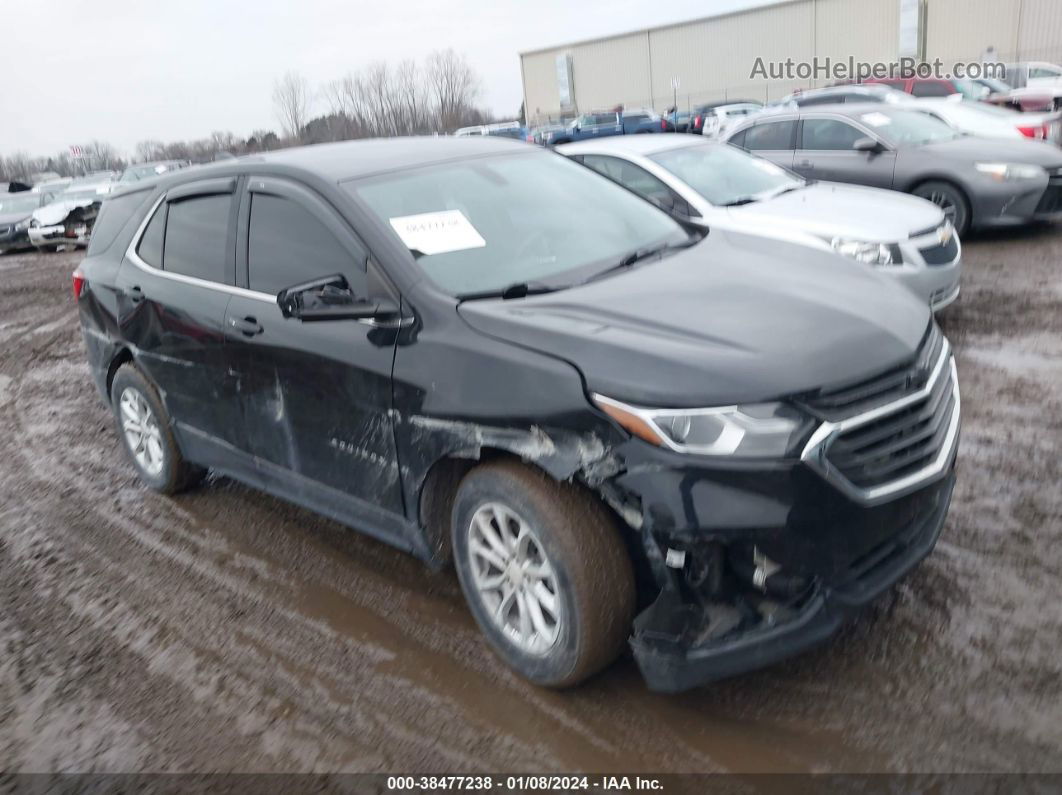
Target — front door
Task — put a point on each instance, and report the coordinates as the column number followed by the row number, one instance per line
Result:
column 316, row 396
column 826, row 153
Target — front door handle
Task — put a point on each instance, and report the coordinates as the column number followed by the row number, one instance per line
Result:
column 247, row 326
column 136, row 295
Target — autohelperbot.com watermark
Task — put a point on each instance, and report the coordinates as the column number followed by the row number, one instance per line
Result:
column 850, row 68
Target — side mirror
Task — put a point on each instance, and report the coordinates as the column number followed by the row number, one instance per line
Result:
column 868, row 145
column 330, row 298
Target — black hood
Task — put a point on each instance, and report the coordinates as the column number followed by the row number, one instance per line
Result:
column 734, row 319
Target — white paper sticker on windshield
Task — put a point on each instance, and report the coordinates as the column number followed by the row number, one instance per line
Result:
column 876, row 119
column 437, row 233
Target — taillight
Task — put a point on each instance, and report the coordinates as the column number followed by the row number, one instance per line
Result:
column 79, row 284
column 663, row 125
column 1032, row 132
column 697, row 122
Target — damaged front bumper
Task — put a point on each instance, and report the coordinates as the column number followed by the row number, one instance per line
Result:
column 59, row 235
column 669, row 642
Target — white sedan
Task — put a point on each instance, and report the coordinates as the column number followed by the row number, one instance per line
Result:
column 717, row 185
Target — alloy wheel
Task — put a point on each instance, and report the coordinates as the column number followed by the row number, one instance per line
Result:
column 514, row 578
column 141, row 431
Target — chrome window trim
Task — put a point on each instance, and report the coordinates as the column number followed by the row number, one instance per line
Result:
column 814, row 453
column 132, row 255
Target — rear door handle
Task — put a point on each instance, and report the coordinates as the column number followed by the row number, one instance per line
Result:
column 247, row 326
column 806, row 164
column 136, row 295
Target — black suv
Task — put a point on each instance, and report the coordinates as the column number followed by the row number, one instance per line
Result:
column 483, row 352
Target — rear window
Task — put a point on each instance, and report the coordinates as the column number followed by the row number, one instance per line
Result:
column 196, row 234
column 932, row 88
column 112, row 218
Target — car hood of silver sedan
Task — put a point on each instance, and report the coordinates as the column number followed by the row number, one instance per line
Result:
column 828, row 210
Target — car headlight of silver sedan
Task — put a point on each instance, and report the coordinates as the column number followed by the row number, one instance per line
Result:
column 1010, row 172
column 869, row 253
column 762, row 430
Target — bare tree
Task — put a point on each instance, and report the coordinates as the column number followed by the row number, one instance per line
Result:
column 291, row 101
column 454, row 86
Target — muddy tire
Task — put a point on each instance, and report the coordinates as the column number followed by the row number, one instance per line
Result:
column 145, row 431
column 544, row 571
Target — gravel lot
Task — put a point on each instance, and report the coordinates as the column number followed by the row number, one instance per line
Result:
column 224, row 630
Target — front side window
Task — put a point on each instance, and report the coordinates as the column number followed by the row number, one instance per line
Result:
column 724, row 175
column 483, row 224
column 770, row 136
column 829, row 134
column 287, row 245
column 196, row 233
column 633, row 178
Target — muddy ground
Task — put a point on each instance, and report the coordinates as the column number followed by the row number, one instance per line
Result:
column 224, row 630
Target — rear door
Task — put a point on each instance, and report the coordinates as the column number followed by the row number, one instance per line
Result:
column 315, row 396
column 174, row 286
column 826, row 152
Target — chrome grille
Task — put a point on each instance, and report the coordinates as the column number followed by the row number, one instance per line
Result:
column 903, row 432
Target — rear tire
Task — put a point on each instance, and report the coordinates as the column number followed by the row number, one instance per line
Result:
column 552, row 554
column 144, row 427
column 949, row 198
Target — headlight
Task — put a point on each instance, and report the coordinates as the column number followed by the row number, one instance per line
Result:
column 1005, row 172
column 868, row 253
column 762, row 430
column 23, row 224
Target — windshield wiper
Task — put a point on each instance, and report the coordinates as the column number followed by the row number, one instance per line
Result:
column 514, row 290
column 640, row 254
column 741, row 201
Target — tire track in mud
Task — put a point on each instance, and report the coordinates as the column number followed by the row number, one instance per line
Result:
column 226, row 630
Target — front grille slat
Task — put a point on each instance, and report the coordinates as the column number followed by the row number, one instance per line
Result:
column 941, row 253
column 1051, row 201
column 888, row 463
column 910, row 423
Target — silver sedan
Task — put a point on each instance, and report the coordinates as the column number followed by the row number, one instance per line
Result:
column 717, row 185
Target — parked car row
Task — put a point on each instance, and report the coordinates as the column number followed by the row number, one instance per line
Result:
column 57, row 212
column 671, row 395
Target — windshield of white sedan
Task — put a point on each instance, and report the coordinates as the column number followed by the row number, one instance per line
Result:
column 486, row 224
column 908, row 127
column 726, row 175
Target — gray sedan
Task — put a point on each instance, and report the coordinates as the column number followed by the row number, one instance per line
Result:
column 975, row 181
column 721, row 187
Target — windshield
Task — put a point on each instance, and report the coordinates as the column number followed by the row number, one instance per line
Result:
column 485, row 224
column 994, row 84
column 19, row 204
column 136, row 173
column 907, row 127
column 725, row 174
column 969, row 89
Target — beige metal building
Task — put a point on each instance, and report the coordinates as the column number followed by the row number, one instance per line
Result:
column 713, row 58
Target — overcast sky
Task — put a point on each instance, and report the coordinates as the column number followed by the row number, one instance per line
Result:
column 128, row 70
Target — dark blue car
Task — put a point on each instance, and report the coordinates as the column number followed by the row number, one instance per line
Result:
column 606, row 123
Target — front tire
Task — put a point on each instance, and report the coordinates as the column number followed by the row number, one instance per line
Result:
column 950, row 199
column 144, row 427
column 544, row 571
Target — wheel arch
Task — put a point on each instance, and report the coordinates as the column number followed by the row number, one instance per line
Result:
column 951, row 180
column 122, row 355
